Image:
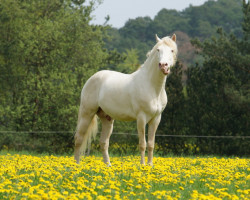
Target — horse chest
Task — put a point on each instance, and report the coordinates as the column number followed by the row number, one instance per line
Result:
column 155, row 105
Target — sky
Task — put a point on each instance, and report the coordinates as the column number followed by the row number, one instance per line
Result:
column 120, row 11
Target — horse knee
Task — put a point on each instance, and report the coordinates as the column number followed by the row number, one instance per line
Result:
column 151, row 146
column 142, row 147
column 104, row 146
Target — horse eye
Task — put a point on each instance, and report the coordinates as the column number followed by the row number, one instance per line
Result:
column 172, row 51
column 158, row 49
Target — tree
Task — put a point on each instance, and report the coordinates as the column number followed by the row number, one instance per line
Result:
column 131, row 62
column 195, row 21
column 136, row 28
column 168, row 21
column 218, row 91
column 47, row 52
column 205, row 19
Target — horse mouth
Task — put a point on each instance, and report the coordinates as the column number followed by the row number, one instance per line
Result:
column 165, row 70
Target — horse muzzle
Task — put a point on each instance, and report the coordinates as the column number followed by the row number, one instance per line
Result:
column 164, row 68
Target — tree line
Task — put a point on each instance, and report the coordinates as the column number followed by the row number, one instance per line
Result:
column 48, row 49
column 195, row 21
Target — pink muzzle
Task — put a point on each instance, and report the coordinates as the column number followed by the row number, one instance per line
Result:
column 164, row 68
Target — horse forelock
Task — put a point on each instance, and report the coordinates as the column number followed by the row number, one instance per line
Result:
column 167, row 41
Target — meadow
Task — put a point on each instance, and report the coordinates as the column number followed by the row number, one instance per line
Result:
column 24, row 176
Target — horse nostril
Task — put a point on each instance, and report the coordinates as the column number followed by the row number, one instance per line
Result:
column 163, row 64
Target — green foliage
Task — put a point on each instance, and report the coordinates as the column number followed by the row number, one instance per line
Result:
column 205, row 19
column 195, row 21
column 220, row 87
column 47, row 52
column 218, row 91
column 131, row 62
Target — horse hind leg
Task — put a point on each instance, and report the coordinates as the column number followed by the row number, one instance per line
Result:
column 85, row 123
column 107, row 128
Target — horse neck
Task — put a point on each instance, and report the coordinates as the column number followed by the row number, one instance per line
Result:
column 155, row 77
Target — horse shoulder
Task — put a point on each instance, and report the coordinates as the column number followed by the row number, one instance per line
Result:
column 150, row 103
column 158, row 104
column 163, row 98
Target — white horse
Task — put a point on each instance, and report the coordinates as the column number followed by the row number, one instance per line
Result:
column 138, row 96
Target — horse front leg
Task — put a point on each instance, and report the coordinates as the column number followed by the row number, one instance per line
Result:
column 152, row 127
column 141, row 123
column 107, row 128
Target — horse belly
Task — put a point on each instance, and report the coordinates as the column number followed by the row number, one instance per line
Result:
column 120, row 115
column 115, row 100
column 117, row 107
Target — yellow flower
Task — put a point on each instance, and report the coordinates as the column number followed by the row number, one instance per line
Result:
column 181, row 188
column 138, row 186
column 93, row 184
column 58, row 177
column 107, row 191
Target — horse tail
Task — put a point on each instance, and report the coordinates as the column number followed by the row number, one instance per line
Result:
column 89, row 135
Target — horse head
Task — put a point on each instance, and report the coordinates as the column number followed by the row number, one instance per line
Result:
column 167, row 53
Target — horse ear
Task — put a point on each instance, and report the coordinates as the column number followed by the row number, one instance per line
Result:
column 157, row 38
column 174, row 37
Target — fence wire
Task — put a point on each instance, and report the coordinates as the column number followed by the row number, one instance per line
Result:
column 135, row 134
